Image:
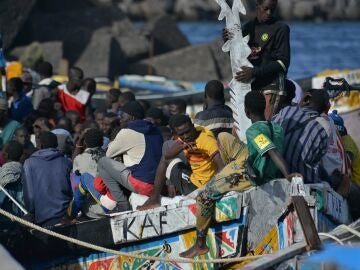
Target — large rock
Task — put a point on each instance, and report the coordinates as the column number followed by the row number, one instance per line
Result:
column 132, row 42
column 304, row 9
column 13, row 14
column 73, row 27
column 196, row 9
column 146, row 9
column 165, row 34
column 222, row 60
column 51, row 51
column 194, row 63
column 102, row 56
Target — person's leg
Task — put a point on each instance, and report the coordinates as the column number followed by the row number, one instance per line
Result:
column 115, row 176
column 178, row 174
column 214, row 190
column 230, row 147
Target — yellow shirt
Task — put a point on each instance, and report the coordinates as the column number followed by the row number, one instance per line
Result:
column 350, row 146
column 201, row 157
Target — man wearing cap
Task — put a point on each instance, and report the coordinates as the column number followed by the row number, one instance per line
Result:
column 7, row 126
column 139, row 143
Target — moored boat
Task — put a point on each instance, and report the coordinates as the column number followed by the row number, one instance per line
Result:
column 254, row 222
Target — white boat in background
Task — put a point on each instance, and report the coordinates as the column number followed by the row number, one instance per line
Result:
column 347, row 104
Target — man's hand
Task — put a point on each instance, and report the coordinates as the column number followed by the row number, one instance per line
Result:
column 226, row 35
column 171, row 191
column 176, row 149
column 152, row 202
column 244, row 75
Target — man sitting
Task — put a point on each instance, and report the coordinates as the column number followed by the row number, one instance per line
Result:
column 216, row 116
column 306, row 140
column 47, row 190
column 202, row 153
column 138, row 144
column 85, row 169
column 262, row 155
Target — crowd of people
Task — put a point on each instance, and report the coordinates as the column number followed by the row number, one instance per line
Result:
column 66, row 160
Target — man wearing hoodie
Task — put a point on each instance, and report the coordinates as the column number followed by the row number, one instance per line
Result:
column 47, row 190
column 139, row 144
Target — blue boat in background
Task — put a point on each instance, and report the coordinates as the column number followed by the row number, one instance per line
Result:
column 154, row 87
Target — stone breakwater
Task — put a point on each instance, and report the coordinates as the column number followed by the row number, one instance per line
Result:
column 208, row 9
column 98, row 35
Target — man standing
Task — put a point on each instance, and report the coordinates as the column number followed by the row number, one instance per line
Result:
column 47, row 190
column 270, row 53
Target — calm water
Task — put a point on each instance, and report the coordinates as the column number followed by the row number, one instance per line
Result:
column 314, row 46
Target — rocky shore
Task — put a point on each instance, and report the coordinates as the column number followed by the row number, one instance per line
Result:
column 98, row 35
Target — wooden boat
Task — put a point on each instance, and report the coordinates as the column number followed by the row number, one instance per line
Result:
column 252, row 221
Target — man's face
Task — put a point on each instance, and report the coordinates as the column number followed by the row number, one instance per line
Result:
column 266, row 10
column 186, row 132
column 22, row 136
column 125, row 119
column 27, row 81
column 106, row 125
column 99, row 119
column 174, row 110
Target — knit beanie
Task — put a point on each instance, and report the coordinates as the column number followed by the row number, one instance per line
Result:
column 338, row 121
column 134, row 109
column 93, row 138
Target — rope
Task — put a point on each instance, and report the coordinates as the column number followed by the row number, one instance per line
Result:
column 332, row 237
column 349, row 229
column 119, row 253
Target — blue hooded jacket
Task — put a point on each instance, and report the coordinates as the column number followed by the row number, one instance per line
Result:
column 47, row 189
column 146, row 169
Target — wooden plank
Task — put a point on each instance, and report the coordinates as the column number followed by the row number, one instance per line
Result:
column 307, row 222
column 273, row 259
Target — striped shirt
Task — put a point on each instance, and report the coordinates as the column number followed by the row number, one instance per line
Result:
column 304, row 146
column 217, row 118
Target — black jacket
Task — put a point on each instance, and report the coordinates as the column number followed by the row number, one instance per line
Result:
column 270, row 45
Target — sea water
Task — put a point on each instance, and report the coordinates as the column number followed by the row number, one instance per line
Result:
column 314, row 46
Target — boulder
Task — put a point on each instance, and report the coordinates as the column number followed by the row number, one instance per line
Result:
column 353, row 10
column 13, row 14
column 165, row 34
column 196, row 9
column 132, row 42
column 195, row 63
column 73, row 27
column 146, row 9
column 102, row 56
column 50, row 51
column 222, row 60
column 304, row 9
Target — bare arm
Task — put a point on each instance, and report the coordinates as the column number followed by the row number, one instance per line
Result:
column 279, row 161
